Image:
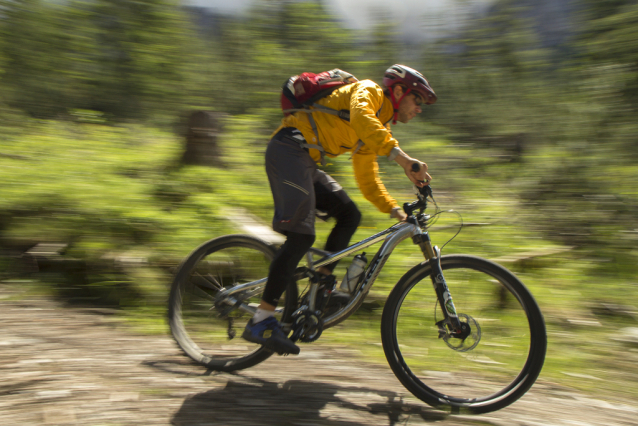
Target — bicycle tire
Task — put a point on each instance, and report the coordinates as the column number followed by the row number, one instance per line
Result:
column 195, row 321
column 511, row 346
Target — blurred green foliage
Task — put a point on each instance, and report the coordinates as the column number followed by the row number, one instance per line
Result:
column 533, row 139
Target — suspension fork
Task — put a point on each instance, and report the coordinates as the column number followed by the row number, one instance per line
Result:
column 433, row 256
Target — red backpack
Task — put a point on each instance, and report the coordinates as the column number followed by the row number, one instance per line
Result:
column 300, row 92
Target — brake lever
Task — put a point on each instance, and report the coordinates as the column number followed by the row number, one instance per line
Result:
column 426, row 191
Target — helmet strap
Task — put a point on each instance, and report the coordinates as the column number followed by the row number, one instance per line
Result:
column 395, row 103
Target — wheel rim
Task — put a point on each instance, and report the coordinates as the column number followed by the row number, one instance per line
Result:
column 491, row 369
column 201, row 329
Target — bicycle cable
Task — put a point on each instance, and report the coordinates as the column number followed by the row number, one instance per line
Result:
column 457, row 232
column 435, row 216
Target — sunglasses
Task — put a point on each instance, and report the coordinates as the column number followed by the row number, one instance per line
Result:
column 418, row 100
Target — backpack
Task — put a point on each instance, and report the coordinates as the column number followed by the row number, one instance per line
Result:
column 300, row 92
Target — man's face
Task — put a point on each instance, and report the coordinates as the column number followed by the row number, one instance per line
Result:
column 410, row 105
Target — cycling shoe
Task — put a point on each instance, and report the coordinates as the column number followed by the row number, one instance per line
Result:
column 269, row 334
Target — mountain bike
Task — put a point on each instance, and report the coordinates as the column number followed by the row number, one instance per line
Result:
column 476, row 353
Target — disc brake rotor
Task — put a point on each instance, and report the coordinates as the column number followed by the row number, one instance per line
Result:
column 471, row 335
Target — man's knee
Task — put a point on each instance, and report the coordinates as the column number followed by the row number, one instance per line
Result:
column 348, row 216
column 296, row 246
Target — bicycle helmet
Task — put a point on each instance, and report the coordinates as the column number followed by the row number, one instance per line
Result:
column 412, row 80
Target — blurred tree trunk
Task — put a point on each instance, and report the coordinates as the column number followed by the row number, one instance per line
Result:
column 201, row 139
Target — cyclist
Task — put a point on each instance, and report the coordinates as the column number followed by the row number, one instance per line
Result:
column 299, row 188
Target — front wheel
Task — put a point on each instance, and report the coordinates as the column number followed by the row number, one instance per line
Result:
column 497, row 362
column 207, row 329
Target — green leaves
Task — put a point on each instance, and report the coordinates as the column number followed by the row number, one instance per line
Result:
column 128, row 59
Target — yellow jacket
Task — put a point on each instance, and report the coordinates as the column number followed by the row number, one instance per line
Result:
column 363, row 99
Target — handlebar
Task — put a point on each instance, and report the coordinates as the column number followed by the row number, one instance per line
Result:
column 425, row 190
column 421, row 204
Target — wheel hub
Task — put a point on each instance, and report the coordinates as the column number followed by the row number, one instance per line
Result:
column 468, row 337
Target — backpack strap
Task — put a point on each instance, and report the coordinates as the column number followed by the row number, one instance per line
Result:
column 360, row 142
column 343, row 114
column 318, row 146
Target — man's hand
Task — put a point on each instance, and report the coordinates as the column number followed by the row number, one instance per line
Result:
column 398, row 214
column 415, row 170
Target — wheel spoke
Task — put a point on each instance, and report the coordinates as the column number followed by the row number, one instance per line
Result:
column 211, row 282
column 197, row 285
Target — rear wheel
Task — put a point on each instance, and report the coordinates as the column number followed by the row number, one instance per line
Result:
column 210, row 332
column 494, row 365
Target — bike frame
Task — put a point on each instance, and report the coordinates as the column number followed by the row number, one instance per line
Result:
column 392, row 237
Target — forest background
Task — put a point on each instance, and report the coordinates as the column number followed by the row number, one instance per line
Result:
column 533, row 140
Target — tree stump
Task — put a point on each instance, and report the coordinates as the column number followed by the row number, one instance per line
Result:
column 201, row 139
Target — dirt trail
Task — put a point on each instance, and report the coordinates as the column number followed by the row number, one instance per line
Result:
column 64, row 366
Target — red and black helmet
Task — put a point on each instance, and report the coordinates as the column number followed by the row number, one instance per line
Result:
column 411, row 79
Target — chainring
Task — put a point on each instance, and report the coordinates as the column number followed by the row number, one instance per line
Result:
column 307, row 327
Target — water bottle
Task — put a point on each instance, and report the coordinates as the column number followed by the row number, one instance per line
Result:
column 355, row 270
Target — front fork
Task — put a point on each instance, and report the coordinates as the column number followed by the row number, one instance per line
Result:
column 433, row 256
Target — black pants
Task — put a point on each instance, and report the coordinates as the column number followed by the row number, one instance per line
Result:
column 299, row 189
